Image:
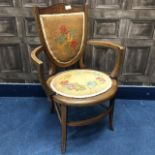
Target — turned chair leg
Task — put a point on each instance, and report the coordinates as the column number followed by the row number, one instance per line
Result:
column 112, row 103
column 63, row 128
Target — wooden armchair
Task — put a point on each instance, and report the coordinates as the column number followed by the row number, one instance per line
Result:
column 63, row 33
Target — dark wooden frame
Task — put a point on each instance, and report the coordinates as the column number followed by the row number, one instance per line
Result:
column 60, row 103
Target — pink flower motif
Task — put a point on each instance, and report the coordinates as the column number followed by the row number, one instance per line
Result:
column 100, row 79
column 64, row 82
column 63, row 29
column 73, row 44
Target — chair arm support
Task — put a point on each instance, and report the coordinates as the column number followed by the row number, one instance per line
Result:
column 117, row 48
column 39, row 63
column 40, row 67
column 35, row 53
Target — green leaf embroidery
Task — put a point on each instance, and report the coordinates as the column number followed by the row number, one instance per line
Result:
column 61, row 39
column 72, row 32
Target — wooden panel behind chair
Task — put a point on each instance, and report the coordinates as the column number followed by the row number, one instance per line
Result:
column 63, row 33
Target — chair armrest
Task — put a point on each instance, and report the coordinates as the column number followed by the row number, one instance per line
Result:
column 117, row 48
column 40, row 67
column 35, row 53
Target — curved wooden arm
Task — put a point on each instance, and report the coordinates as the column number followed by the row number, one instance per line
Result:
column 40, row 67
column 120, row 53
column 39, row 63
column 35, row 53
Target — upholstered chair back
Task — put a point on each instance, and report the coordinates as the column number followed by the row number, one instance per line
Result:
column 63, row 32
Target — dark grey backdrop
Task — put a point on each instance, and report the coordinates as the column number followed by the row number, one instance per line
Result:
column 127, row 22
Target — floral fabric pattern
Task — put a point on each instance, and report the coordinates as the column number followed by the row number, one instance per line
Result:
column 67, row 37
column 81, row 83
column 64, row 35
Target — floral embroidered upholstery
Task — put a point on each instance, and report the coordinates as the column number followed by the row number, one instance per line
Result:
column 81, row 83
column 63, row 34
column 67, row 38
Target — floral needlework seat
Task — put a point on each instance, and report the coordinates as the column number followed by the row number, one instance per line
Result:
column 81, row 83
column 63, row 34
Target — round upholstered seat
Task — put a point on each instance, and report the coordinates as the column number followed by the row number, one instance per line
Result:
column 81, row 83
column 87, row 101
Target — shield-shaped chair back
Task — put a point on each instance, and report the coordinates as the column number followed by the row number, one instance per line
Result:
column 62, row 30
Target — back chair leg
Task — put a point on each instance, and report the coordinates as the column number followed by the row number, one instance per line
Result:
column 112, row 103
column 52, row 104
column 63, row 128
column 52, row 108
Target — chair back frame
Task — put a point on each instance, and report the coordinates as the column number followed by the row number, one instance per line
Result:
column 61, row 9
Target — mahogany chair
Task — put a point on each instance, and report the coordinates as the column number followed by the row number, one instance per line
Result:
column 63, row 34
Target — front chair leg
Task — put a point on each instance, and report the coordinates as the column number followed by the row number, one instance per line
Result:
column 63, row 128
column 111, row 105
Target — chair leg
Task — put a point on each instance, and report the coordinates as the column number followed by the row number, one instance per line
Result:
column 52, row 105
column 112, row 103
column 52, row 108
column 63, row 128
